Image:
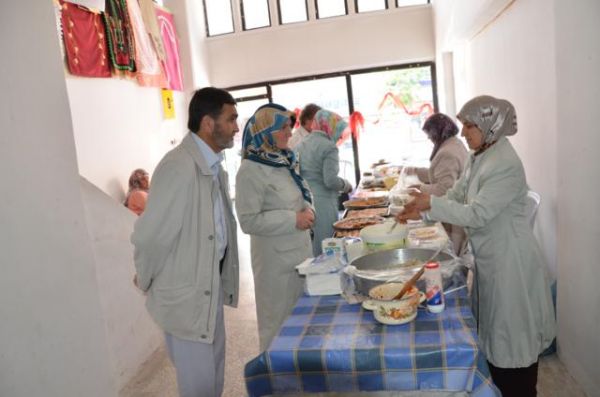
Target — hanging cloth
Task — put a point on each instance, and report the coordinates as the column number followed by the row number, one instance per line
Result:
column 151, row 24
column 149, row 70
column 120, row 39
column 85, row 41
column 170, row 42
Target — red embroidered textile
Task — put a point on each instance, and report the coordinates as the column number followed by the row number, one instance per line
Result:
column 169, row 36
column 85, row 41
column 120, row 38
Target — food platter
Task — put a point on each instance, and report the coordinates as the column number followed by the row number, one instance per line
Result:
column 366, row 202
column 357, row 223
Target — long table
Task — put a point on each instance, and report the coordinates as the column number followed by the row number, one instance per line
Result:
column 329, row 346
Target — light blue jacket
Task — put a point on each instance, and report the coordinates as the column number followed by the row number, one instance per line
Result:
column 319, row 165
column 511, row 291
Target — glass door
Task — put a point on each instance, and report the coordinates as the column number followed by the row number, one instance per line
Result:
column 394, row 104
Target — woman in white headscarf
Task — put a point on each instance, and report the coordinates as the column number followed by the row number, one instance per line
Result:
column 511, row 290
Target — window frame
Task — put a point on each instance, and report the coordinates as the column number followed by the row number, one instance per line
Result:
column 349, row 91
column 243, row 17
column 206, row 21
column 334, row 16
column 291, row 23
column 399, row 6
column 365, row 12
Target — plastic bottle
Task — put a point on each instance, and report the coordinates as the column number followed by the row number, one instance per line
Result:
column 433, row 288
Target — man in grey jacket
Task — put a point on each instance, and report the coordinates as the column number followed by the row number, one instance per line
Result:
column 186, row 245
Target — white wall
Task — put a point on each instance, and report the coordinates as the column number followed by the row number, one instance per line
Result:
column 578, row 64
column 53, row 339
column 119, row 125
column 544, row 57
column 322, row 46
column 132, row 335
column 499, row 61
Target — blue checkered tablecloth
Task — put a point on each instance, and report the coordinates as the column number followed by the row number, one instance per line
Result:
column 328, row 345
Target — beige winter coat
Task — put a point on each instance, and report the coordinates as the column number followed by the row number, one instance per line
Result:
column 175, row 246
column 446, row 167
column 267, row 199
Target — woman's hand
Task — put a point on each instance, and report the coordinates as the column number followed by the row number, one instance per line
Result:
column 305, row 219
column 405, row 215
column 420, row 202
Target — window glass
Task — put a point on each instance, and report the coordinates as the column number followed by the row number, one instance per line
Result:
column 403, row 3
column 330, row 94
column 246, row 92
column 394, row 104
column 233, row 157
column 218, row 17
column 370, row 5
column 291, row 11
column 330, row 8
column 255, row 14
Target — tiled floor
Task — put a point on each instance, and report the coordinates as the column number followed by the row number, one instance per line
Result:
column 157, row 376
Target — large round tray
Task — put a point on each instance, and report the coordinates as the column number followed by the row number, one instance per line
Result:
column 390, row 259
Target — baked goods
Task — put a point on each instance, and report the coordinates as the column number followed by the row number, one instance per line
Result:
column 347, row 233
column 356, row 223
column 366, row 202
column 368, row 212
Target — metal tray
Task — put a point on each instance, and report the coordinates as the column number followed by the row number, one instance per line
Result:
column 390, row 259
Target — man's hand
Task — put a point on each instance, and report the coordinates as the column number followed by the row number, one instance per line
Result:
column 305, row 219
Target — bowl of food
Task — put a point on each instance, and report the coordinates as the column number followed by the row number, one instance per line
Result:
column 383, row 237
column 387, row 309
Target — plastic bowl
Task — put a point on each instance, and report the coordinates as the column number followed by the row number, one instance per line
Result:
column 379, row 237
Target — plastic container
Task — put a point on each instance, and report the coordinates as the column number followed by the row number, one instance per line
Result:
column 379, row 237
column 433, row 288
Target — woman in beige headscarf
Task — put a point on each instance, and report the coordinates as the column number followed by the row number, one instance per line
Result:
column 275, row 207
column 511, row 290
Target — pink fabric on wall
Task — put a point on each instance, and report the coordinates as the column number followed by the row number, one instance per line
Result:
column 171, row 44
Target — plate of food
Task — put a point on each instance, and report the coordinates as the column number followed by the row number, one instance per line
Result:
column 357, row 223
column 365, row 202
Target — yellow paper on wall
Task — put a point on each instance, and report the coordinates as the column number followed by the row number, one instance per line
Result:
column 168, row 105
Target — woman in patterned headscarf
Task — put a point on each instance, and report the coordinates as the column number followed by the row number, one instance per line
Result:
column 448, row 159
column 511, row 290
column 274, row 206
column 139, row 183
column 319, row 165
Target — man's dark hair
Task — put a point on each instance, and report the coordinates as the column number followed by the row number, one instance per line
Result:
column 207, row 101
column 308, row 113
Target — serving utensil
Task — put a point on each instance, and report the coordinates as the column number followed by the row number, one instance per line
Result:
column 391, row 229
column 409, row 284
